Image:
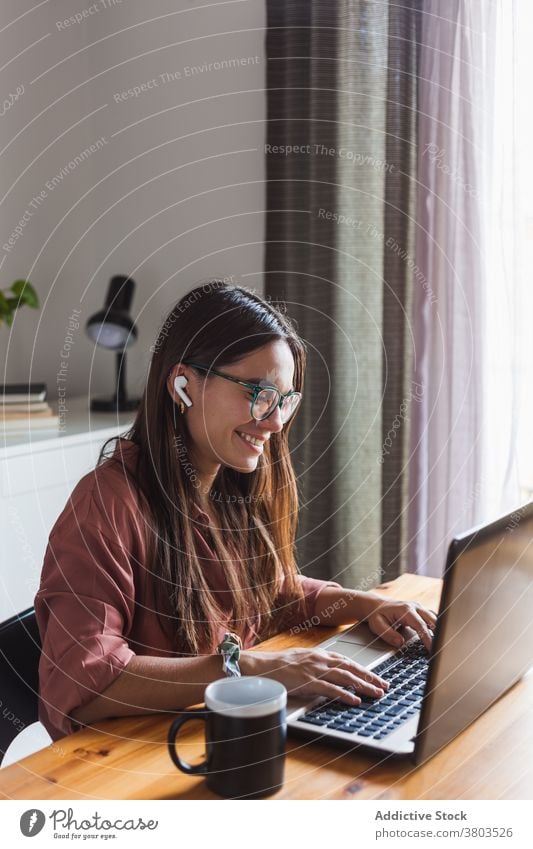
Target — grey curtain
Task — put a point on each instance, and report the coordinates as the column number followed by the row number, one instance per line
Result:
column 340, row 158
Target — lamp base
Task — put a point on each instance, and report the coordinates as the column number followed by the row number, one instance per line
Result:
column 114, row 405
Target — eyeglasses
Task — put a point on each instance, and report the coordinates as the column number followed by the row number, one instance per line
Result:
column 265, row 399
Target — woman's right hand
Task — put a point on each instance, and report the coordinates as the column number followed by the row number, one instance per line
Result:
column 315, row 672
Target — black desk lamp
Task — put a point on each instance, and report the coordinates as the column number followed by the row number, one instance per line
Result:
column 114, row 329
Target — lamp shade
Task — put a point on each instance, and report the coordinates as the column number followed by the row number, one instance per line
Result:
column 112, row 330
column 112, row 327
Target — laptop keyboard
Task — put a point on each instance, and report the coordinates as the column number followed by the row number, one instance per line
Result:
column 406, row 673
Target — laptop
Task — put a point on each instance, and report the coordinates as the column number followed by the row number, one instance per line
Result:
column 482, row 645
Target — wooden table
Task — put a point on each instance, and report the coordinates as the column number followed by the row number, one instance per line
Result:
column 127, row 758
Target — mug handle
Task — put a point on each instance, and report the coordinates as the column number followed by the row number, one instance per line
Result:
column 193, row 713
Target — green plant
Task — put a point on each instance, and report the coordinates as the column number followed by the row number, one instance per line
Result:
column 19, row 293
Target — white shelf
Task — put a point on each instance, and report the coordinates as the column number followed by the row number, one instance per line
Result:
column 38, row 471
column 79, row 425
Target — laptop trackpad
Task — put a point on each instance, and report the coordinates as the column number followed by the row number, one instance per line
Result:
column 360, row 653
column 359, row 644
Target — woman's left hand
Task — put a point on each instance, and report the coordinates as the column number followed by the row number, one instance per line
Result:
column 388, row 616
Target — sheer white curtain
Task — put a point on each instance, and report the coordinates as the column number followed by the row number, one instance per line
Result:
column 511, row 390
column 463, row 432
column 507, row 297
column 521, row 230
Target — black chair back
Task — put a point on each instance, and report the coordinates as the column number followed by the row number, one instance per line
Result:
column 20, row 650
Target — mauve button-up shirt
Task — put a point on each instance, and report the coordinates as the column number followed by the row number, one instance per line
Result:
column 95, row 605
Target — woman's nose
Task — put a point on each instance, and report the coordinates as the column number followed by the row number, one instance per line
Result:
column 274, row 422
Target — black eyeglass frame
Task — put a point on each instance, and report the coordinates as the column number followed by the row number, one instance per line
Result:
column 256, row 388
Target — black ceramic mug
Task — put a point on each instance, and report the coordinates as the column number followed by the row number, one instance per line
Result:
column 246, row 731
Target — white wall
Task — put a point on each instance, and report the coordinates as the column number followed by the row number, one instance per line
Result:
column 150, row 202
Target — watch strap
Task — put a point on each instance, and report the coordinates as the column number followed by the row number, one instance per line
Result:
column 230, row 649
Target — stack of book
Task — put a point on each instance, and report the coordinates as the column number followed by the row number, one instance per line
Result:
column 24, row 407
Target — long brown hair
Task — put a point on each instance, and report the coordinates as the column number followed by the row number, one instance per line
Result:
column 217, row 324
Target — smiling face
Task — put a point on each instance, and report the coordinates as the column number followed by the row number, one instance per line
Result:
column 219, row 420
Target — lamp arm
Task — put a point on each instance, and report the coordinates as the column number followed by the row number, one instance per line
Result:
column 120, row 391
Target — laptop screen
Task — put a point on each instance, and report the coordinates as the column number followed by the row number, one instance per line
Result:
column 484, row 638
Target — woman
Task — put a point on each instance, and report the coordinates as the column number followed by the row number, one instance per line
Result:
column 187, row 532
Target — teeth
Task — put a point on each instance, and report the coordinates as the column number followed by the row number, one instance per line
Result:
column 251, row 439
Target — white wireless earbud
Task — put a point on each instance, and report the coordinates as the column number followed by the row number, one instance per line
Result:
column 179, row 385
